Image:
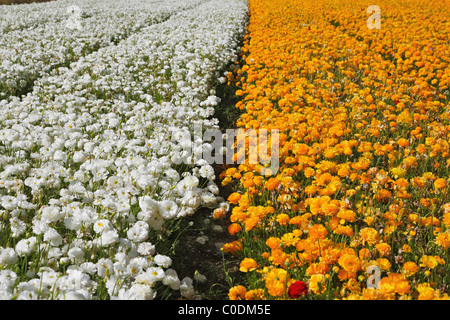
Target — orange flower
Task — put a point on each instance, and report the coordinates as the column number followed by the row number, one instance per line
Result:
column 344, row 230
column 237, row 293
column 317, row 283
column 350, row 263
column 234, row 198
column 369, row 235
column 406, row 248
column 440, row 183
column 277, row 281
column 392, row 284
column 254, row 294
column 402, row 142
column 283, row 219
column 443, row 240
column 347, row 215
column 219, row 213
column 383, row 263
column 410, row 162
column 248, row 264
column 272, row 184
column 273, row 243
column 308, row 172
column 384, row 249
column 318, row 231
column 232, row 247
column 409, row 268
column 234, row 228
column 403, row 183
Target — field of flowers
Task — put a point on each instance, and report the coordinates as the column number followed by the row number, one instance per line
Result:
column 364, row 126
column 99, row 100
column 90, row 179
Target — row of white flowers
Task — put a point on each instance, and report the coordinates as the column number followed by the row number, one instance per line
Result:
column 36, row 38
column 88, row 181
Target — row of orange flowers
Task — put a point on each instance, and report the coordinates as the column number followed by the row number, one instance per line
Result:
column 364, row 152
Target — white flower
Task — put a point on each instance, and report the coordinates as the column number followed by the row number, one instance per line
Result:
column 79, row 156
column 139, row 232
column 213, row 188
column 134, row 268
column 102, row 225
column 26, row 246
column 201, row 239
column 207, row 171
column 40, row 227
column 208, row 198
column 115, row 182
column 187, row 288
column 76, row 279
column 188, row 183
column 171, row 279
column 77, row 187
column 8, row 256
column 109, row 237
column 73, row 223
column 168, row 209
column 156, row 221
column 53, row 237
column 120, row 269
column 73, row 294
column 7, row 278
column 27, row 295
column 137, row 291
column 54, row 253
column 6, row 294
column 51, row 214
column 225, row 205
column 88, row 267
column 17, row 226
column 146, row 248
column 147, row 204
column 162, row 261
column 91, row 143
column 9, row 202
column 199, row 277
column 76, row 255
column 150, row 276
column 104, row 267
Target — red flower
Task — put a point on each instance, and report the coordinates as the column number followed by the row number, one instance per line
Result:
column 298, row 289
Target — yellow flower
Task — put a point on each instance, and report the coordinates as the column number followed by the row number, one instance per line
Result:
column 398, row 172
column 428, row 261
column 277, row 280
column 426, row 292
column 317, row 283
